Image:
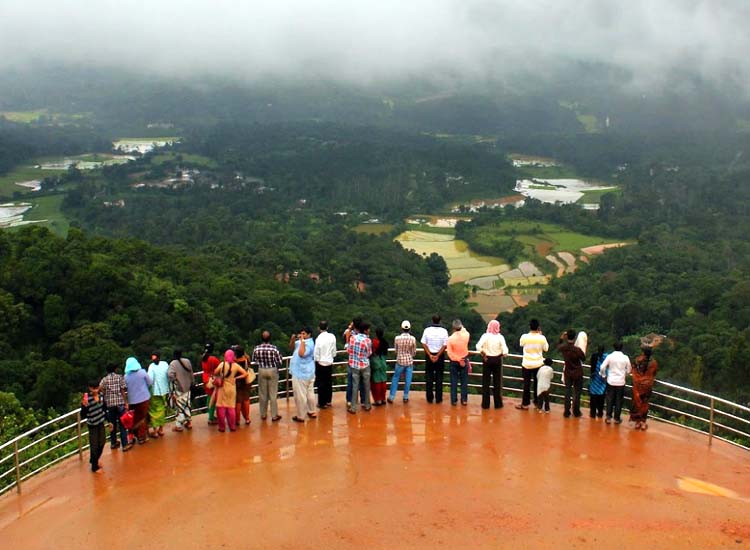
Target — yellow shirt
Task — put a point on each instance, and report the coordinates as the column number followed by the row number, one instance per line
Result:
column 534, row 345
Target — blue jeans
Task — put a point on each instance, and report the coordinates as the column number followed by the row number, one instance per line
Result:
column 113, row 415
column 459, row 373
column 397, row 376
column 349, row 384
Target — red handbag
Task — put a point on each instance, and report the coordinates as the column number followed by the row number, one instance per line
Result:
column 127, row 419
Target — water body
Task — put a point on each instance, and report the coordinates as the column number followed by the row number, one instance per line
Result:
column 566, row 191
column 11, row 214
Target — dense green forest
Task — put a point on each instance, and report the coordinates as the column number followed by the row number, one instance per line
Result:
column 71, row 306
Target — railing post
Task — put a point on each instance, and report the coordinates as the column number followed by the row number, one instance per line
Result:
column 287, row 381
column 17, row 463
column 502, row 366
column 711, row 424
column 80, row 439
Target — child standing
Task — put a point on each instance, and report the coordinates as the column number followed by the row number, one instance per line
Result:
column 543, row 385
column 92, row 409
column 597, row 384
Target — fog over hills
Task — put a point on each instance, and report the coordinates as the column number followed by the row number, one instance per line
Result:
column 451, row 42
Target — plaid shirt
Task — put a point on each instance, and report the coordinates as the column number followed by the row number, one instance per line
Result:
column 360, row 349
column 267, row 356
column 113, row 388
column 406, row 347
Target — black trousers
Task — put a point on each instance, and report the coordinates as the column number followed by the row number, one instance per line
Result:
column 573, row 389
column 529, row 385
column 543, row 400
column 434, row 378
column 596, row 405
column 324, row 383
column 97, row 439
column 615, row 396
column 492, row 373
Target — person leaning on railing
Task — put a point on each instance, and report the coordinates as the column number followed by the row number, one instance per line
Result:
column 492, row 346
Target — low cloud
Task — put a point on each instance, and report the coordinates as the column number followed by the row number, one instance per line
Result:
column 370, row 42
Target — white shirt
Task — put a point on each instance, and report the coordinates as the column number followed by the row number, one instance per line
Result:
column 534, row 345
column 325, row 348
column 492, row 345
column 435, row 337
column 617, row 366
column 544, row 379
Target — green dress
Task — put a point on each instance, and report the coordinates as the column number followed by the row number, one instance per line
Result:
column 378, row 367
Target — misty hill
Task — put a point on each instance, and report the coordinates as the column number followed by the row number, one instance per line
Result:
column 587, row 99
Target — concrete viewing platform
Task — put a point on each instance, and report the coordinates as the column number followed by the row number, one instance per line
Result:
column 400, row 476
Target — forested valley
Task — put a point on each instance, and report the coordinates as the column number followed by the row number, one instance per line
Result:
column 261, row 235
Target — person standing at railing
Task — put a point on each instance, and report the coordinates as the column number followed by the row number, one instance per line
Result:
column 242, row 408
column 492, row 346
column 113, row 391
column 597, row 384
column 138, row 383
column 94, row 411
column 227, row 372
column 325, row 351
column 572, row 372
column 543, row 385
column 352, row 330
column 158, row 370
column 644, row 377
column 268, row 358
column 434, row 341
column 406, row 347
column 302, row 368
column 379, row 367
column 360, row 350
column 616, row 367
column 180, row 376
column 534, row 345
column 457, row 349
column 209, row 363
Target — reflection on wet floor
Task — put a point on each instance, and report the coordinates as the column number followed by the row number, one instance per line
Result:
column 451, row 473
column 705, row 488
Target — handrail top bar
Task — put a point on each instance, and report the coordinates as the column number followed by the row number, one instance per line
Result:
column 37, row 428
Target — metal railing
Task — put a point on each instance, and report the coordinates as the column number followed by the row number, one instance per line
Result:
column 63, row 437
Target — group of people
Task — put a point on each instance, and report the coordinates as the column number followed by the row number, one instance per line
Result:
column 135, row 404
column 607, row 378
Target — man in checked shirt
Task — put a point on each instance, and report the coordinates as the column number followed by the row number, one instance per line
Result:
column 268, row 359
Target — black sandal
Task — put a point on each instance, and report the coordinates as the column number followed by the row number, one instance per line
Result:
column 298, row 419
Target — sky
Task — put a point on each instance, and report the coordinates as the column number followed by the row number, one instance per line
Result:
column 372, row 41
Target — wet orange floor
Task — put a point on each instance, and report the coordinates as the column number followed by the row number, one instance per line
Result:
column 401, row 476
